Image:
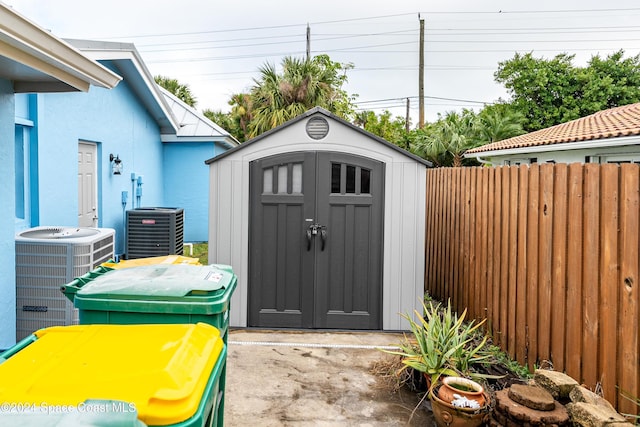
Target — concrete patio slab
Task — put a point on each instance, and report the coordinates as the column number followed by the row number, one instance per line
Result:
column 309, row 378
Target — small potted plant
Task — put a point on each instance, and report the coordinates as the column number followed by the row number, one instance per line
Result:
column 441, row 345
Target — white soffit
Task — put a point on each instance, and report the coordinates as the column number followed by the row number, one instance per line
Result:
column 36, row 60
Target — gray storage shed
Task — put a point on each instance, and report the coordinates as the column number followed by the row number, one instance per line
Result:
column 324, row 225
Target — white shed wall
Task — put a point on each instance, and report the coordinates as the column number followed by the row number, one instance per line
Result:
column 404, row 213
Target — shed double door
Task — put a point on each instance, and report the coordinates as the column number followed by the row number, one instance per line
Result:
column 315, row 253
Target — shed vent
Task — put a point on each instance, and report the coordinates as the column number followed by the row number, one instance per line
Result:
column 154, row 232
column 47, row 258
column 317, row 127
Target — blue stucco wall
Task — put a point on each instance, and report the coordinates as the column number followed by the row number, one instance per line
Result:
column 187, row 184
column 117, row 122
column 7, row 216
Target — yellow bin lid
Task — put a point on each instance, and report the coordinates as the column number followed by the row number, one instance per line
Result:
column 161, row 369
column 156, row 260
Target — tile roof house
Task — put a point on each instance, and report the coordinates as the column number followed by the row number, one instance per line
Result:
column 608, row 136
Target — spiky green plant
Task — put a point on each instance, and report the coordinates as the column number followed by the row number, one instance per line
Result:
column 441, row 344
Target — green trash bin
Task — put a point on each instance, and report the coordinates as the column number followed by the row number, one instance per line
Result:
column 167, row 293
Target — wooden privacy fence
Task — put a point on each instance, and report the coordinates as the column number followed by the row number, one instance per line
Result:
column 549, row 255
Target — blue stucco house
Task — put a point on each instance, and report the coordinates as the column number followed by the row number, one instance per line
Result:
column 158, row 140
column 32, row 60
column 61, row 169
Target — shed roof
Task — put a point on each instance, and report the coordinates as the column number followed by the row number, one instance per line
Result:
column 319, row 110
column 611, row 123
column 37, row 61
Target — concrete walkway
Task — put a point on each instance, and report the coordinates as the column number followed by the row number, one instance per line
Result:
column 277, row 378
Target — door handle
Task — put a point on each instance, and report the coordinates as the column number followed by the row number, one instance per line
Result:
column 323, row 237
column 312, row 231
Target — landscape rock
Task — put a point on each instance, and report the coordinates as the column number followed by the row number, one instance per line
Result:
column 591, row 415
column 582, row 394
column 533, row 397
column 556, row 383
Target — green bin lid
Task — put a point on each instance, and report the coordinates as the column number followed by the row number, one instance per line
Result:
column 159, row 288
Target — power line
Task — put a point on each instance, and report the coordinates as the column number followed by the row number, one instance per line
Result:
column 430, row 97
column 465, row 12
column 272, row 27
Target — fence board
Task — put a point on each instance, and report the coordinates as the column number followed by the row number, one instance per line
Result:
column 545, row 256
column 574, row 272
column 451, row 242
column 503, row 292
column 533, row 225
column 428, row 227
column 522, row 343
column 513, row 260
column 494, row 252
column 628, row 342
column 559, row 268
column 438, row 233
column 590, row 278
column 481, row 311
column 608, row 304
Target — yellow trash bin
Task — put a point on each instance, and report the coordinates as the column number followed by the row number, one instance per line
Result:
column 169, row 374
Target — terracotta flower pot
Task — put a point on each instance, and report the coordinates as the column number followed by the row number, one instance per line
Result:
column 463, row 387
column 447, row 415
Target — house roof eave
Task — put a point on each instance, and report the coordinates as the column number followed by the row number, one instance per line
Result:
column 46, row 59
column 567, row 146
column 134, row 70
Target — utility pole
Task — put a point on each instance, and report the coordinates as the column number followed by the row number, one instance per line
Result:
column 421, row 76
column 308, row 42
column 406, row 125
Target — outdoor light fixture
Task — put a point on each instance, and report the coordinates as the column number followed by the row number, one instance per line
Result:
column 116, row 167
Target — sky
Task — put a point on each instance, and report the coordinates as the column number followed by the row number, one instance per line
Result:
column 217, row 48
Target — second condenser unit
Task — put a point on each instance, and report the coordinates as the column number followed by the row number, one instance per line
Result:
column 154, row 232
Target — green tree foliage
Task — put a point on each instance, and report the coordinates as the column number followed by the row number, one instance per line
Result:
column 302, row 85
column 222, row 119
column 236, row 122
column 552, row 91
column 384, row 126
column 445, row 141
column 182, row 91
column 498, row 122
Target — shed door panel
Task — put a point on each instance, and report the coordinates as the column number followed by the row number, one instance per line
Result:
column 316, row 241
column 349, row 270
column 281, row 273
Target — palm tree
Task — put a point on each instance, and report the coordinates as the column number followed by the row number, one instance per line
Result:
column 458, row 133
column 425, row 144
column 498, row 122
column 303, row 84
column 182, row 91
